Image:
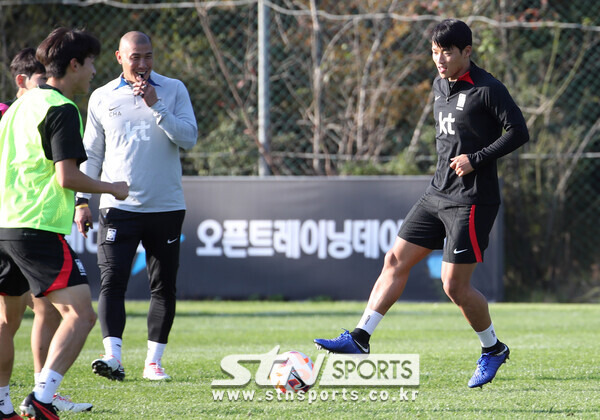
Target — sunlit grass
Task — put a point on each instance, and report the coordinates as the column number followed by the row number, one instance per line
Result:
column 553, row 370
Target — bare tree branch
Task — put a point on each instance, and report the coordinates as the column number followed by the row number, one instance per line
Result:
column 412, row 147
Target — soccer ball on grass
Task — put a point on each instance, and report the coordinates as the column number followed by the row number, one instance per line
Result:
column 295, row 374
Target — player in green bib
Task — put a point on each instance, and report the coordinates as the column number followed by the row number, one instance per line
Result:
column 28, row 73
column 32, row 197
column 40, row 152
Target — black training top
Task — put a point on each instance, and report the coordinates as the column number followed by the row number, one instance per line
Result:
column 470, row 116
column 61, row 133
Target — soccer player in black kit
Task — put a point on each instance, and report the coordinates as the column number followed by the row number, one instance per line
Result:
column 477, row 122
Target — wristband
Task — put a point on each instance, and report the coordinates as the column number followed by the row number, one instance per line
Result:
column 81, row 200
column 82, row 206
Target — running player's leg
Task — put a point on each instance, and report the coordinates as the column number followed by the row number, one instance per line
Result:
column 468, row 235
column 78, row 317
column 11, row 313
column 74, row 303
column 45, row 323
column 474, row 307
column 468, row 228
column 393, row 277
column 387, row 290
column 420, row 233
column 13, row 290
column 456, row 279
column 53, row 270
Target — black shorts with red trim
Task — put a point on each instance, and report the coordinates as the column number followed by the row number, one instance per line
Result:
column 37, row 260
column 461, row 230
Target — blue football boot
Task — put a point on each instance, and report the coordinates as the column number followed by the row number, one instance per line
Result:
column 487, row 366
column 342, row 344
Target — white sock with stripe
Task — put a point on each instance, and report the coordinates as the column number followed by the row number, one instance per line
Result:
column 49, row 382
column 113, row 347
column 369, row 321
column 488, row 337
column 6, row 406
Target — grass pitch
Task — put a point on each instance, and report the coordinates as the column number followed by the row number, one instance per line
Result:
column 553, row 371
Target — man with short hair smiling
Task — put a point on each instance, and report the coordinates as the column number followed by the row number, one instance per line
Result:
column 136, row 125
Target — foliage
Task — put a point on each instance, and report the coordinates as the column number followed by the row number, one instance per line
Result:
column 402, row 164
column 223, row 152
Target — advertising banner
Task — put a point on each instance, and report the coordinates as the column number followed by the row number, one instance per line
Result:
column 295, row 238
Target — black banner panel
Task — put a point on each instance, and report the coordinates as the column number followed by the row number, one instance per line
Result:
column 295, row 238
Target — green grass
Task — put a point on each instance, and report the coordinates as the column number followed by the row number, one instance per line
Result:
column 553, row 372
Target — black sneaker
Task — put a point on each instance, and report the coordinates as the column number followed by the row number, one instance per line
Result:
column 109, row 367
column 32, row 408
column 344, row 343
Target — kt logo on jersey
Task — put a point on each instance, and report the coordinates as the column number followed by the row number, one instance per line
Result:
column 446, row 123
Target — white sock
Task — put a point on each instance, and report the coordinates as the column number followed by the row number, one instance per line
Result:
column 112, row 347
column 369, row 321
column 155, row 352
column 36, row 377
column 6, row 406
column 488, row 337
column 49, row 382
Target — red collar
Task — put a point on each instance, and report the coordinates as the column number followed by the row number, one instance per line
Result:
column 467, row 77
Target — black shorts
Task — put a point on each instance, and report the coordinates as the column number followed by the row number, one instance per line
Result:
column 38, row 260
column 461, row 230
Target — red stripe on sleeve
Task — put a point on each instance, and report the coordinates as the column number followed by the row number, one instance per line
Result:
column 62, row 279
column 473, row 235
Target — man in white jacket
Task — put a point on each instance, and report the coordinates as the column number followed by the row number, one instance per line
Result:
column 136, row 124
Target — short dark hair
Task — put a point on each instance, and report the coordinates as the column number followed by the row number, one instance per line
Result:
column 26, row 63
column 452, row 33
column 62, row 45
